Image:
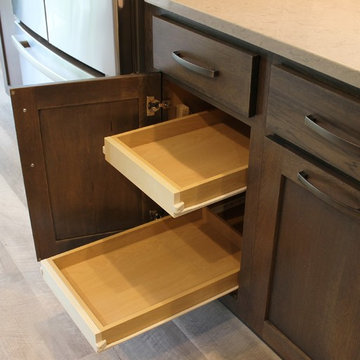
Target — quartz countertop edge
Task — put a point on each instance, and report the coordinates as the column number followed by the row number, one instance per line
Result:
column 286, row 29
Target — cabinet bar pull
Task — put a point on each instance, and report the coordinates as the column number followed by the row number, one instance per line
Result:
column 310, row 122
column 210, row 73
column 303, row 178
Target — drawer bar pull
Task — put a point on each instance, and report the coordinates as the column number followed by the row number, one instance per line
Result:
column 210, row 73
column 310, row 122
column 303, row 178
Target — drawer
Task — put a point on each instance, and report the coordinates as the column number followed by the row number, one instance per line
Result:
column 217, row 70
column 186, row 163
column 125, row 284
column 315, row 117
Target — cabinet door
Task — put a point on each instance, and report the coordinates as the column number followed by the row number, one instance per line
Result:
column 306, row 264
column 74, row 195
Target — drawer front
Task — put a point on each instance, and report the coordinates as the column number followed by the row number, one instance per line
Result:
column 217, row 70
column 125, row 284
column 321, row 120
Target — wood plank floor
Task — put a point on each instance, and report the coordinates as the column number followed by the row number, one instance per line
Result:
column 33, row 324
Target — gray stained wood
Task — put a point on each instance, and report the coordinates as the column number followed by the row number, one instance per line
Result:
column 74, row 196
column 236, row 69
column 307, row 269
column 35, row 326
column 293, row 96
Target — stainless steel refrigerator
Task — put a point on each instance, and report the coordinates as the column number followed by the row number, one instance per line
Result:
column 60, row 40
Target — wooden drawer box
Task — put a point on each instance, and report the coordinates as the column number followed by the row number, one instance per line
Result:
column 319, row 119
column 120, row 286
column 186, row 163
column 218, row 70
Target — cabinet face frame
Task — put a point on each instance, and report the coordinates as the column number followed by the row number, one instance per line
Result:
column 281, row 167
column 29, row 104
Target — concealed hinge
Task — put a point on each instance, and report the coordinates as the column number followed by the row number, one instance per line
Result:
column 153, row 105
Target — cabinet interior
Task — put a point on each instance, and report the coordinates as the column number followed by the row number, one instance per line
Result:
column 120, row 286
column 231, row 210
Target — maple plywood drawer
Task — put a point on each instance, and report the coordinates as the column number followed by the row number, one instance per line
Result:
column 186, row 163
column 320, row 119
column 122, row 285
column 216, row 69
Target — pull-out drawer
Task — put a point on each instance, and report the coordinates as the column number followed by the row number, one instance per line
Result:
column 125, row 284
column 186, row 163
column 215, row 69
column 315, row 117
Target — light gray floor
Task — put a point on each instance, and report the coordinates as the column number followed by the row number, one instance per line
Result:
column 33, row 324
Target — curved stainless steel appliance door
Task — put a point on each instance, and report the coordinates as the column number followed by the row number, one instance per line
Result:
column 32, row 14
column 85, row 30
column 39, row 64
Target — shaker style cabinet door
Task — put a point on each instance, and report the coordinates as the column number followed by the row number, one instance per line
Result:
column 306, row 261
column 74, row 195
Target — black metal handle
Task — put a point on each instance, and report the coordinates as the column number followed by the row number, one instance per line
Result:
column 311, row 123
column 210, row 73
column 303, row 178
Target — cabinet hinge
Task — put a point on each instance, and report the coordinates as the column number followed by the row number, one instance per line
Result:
column 153, row 105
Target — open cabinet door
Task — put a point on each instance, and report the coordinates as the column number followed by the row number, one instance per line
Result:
column 74, row 196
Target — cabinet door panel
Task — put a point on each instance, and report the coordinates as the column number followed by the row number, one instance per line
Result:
column 74, row 196
column 315, row 289
column 308, row 251
column 82, row 199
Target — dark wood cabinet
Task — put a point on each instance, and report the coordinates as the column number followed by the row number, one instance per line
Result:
column 299, row 279
column 306, row 274
column 74, row 196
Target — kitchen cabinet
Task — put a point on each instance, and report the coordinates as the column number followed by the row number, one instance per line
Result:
column 154, row 271
column 306, row 264
column 294, row 281
column 305, row 272
column 73, row 195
